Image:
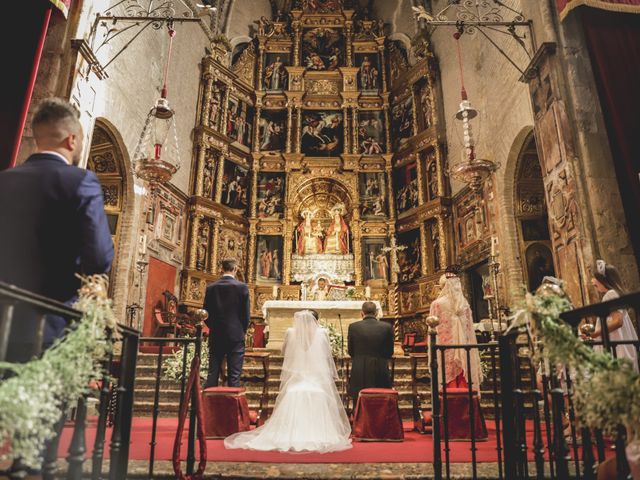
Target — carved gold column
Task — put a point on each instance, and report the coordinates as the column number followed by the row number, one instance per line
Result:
column 297, row 34
column 193, row 250
column 387, row 125
column 206, row 98
column 348, row 27
column 200, row 165
column 423, row 249
column 289, row 125
column 254, row 188
column 219, row 178
column 345, row 115
column 215, row 240
column 440, row 171
column 251, row 254
column 298, row 128
column 261, row 42
column 288, row 247
column 354, row 130
column 393, row 257
column 443, row 243
column 380, row 42
column 256, row 130
column 419, row 173
column 356, row 243
column 390, row 194
column 225, row 110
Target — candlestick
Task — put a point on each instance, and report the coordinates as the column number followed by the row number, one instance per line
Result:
column 274, row 291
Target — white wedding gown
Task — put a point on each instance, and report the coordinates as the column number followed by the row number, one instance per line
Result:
column 308, row 415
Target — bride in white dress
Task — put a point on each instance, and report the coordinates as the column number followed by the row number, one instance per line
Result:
column 308, row 414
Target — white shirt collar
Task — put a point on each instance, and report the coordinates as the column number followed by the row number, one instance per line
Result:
column 59, row 155
column 228, row 275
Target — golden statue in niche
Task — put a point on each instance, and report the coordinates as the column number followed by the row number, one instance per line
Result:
column 309, row 237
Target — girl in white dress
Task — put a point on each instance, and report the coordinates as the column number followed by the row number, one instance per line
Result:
column 308, row 415
column 606, row 280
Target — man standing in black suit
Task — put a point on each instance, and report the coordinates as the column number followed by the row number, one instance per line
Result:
column 370, row 347
column 53, row 223
column 227, row 302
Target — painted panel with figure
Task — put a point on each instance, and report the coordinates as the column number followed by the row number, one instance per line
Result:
column 368, row 71
column 321, row 6
column 405, row 186
column 373, row 195
column 269, row 259
column 371, row 133
column 409, row 258
column 322, row 133
column 430, row 170
column 239, row 122
column 402, row 128
column 235, row 186
column 271, row 188
column 375, row 262
column 425, row 103
column 232, row 244
column 275, row 76
column 272, row 128
column 322, row 48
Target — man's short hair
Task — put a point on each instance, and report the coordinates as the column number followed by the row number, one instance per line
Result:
column 315, row 314
column 369, row 308
column 55, row 112
column 229, row 264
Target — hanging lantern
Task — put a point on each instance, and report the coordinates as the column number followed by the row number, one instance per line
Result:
column 157, row 155
column 472, row 170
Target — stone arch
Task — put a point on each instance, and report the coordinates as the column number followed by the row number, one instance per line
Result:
column 109, row 160
column 507, row 230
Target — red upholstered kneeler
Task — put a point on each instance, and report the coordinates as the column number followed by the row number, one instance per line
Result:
column 225, row 411
column 458, row 414
column 377, row 416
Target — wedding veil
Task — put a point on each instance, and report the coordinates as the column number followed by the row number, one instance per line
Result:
column 307, row 351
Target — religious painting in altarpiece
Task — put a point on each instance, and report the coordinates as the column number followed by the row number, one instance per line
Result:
column 239, row 122
column 371, row 132
column 233, row 244
column 375, row 262
column 322, row 48
column 218, row 92
column 271, row 188
column 269, row 259
column 322, row 133
column 275, row 77
column 430, row 173
column 373, row 196
column 409, row 261
column 235, row 186
column 368, row 72
column 272, row 130
column 405, row 186
column 402, row 122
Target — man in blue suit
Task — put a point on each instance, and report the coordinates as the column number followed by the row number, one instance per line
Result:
column 227, row 302
column 53, row 222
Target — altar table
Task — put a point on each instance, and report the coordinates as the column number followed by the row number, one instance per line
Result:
column 278, row 315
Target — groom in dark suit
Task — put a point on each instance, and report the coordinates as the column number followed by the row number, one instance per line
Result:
column 227, row 302
column 53, row 223
column 370, row 347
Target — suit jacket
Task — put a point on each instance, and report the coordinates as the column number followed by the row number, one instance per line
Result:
column 370, row 346
column 227, row 301
column 53, row 226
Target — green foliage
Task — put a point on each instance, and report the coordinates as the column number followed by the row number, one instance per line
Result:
column 34, row 398
column 172, row 364
column 607, row 390
column 335, row 338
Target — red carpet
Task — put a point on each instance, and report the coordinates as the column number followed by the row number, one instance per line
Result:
column 415, row 449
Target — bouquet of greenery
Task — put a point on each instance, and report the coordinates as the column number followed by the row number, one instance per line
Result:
column 172, row 365
column 335, row 337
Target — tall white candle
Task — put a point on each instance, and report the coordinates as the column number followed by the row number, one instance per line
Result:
column 367, row 292
column 275, row 291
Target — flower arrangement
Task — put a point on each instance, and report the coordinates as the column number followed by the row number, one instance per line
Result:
column 350, row 292
column 33, row 400
column 335, row 338
column 606, row 388
column 172, row 365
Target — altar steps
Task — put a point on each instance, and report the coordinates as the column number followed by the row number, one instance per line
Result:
column 169, row 391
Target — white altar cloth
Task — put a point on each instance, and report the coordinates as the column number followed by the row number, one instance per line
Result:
column 278, row 315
